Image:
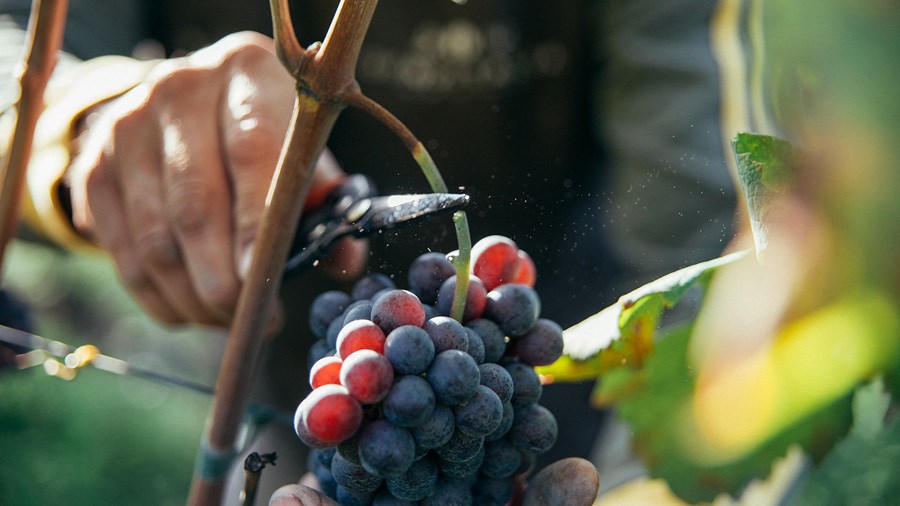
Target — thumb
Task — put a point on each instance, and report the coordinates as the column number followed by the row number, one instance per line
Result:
column 571, row 481
column 299, row 495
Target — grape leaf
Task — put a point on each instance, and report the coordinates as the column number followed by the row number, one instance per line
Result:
column 657, row 407
column 622, row 334
column 863, row 467
column 764, row 169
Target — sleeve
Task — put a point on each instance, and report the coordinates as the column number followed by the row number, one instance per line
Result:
column 69, row 94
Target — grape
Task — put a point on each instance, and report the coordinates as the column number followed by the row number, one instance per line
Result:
column 435, row 431
column 454, row 377
column 492, row 336
column 527, row 387
column 386, row 450
column 495, row 260
column 481, row 415
column 353, row 476
column 327, row 370
column 417, row 483
column 497, row 378
column 326, row 481
column 515, row 308
column 450, row 492
column 384, row 498
column 476, row 298
column 367, row 375
column 527, row 274
column 492, row 492
column 325, row 308
column 475, row 345
column 322, row 456
column 361, row 310
column 528, row 462
column 360, row 335
column 460, row 447
column 396, row 308
column 447, row 334
column 541, row 345
column 410, row 401
column 430, row 311
column 505, row 423
column 369, row 285
column 409, row 349
column 317, row 351
column 462, row 470
column 334, row 328
column 349, row 448
column 427, row 273
column 350, row 497
column 327, row 416
column 534, row 429
column 501, row 459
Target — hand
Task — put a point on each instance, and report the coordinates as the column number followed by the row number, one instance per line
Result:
column 572, row 481
column 172, row 177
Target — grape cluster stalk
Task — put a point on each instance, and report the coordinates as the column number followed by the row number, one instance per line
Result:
column 410, row 406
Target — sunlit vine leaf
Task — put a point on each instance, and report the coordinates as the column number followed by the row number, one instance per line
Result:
column 764, row 168
column 622, row 334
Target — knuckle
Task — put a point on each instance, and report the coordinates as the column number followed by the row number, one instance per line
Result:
column 219, row 293
column 158, row 249
column 256, row 141
column 190, row 203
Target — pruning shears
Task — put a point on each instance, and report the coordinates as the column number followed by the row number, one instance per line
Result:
column 352, row 209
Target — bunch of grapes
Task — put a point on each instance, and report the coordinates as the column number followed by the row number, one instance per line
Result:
column 410, row 406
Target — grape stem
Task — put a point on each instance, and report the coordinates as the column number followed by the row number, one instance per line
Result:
column 423, row 158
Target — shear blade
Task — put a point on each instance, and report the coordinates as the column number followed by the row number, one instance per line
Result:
column 392, row 211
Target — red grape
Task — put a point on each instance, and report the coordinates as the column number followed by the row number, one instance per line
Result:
column 360, row 335
column 327, row 416
column 367, row 375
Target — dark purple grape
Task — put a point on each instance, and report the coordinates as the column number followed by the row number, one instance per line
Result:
column 334, row 328
column 370, row 284
column 417, row 483
column 476, row 345
column 497, row 378
column 465, row 470
column 542, row 344
column 527, row 387
column 505, row 423
column 323, row 456
column 493, row 338
column 480, row 415
column 514, row 307
column 492, row 491
column 349, row 497
column 528, row 462
column 460, row 447
column 349, row 448
column 534, row 429
column 430, row 311
column 386, row 450
column 436, row 431
column 476, row 298
column 427, row 273
column 409, row 349
column 317, row 351
column 454, row 377
column 501, row 459
column 397, row 308
column 353, row 476
column 384, row 498
column 360, row 310
column 447, row 334
column 410, row 401
column 325, row 308
column 326, row 481
column 450, row 492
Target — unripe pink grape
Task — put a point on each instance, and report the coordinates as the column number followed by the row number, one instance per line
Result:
column 327, row 416
column 360, row 335
column 397, row 308
column 367, row 375
column 326, row 371
column 527, row 274
column 495, row 260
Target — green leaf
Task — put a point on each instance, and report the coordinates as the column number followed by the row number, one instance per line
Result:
column 622, row 334
column 764, row 167
column 863, row 468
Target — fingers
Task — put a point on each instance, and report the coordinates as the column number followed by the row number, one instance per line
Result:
column 571, row 481
column 299, row 495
